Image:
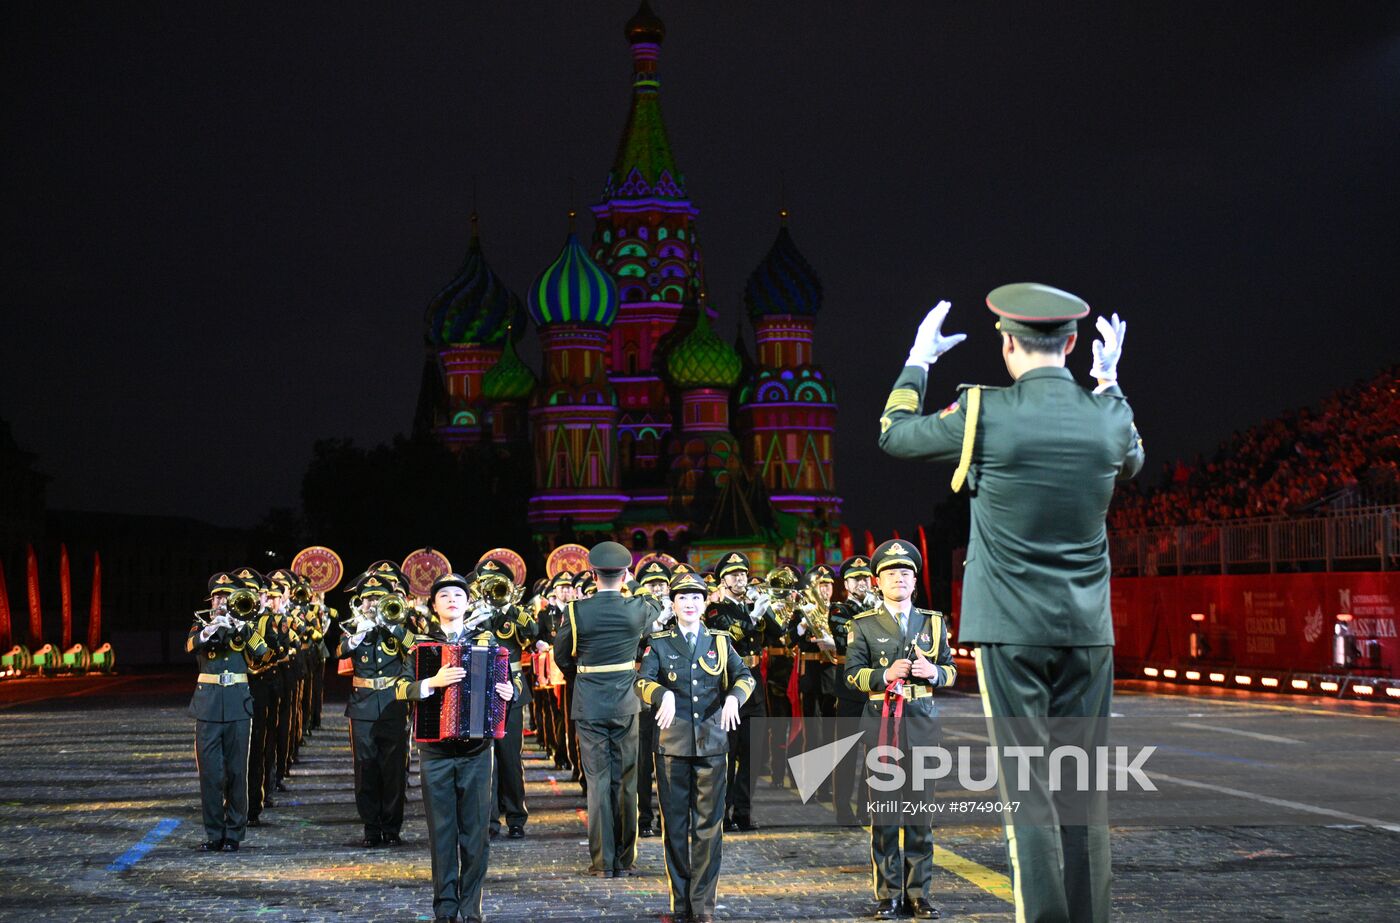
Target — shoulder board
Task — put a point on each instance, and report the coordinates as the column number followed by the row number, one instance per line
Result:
column 668, row 633
column 861, row 615
column 929, row 612
column 965, row 386
column 717, row 632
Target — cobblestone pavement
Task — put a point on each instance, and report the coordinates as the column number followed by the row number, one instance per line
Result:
column 87, row 776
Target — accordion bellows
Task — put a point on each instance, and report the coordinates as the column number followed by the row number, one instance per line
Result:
column 469, row 710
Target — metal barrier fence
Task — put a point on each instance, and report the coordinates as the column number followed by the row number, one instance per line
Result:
column 1355, row 539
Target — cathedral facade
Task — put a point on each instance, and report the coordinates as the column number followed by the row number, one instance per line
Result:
column 642, row 423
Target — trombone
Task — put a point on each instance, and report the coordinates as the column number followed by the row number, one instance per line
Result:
column 239, row 607
column 496, row 590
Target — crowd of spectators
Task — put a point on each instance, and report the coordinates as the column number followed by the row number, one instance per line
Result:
column 1346, row 447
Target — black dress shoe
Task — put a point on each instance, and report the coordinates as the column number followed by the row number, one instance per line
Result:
column 702, row 918
column 886, row 910
column 597, row 873
column 444, row 920
column 628, row 872
column 646, row 830
column 212, row 846
column 923, row 910
column 516, row 832
column 745, row 824
column 730, row 825
column 230, row 846
column 371, row 840
column 392, row 839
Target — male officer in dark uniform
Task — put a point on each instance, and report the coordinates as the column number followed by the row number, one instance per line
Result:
column 263, row 685
column 747, row 624
column 809, row 635
column 378, row 722
column 599, row 638
column 850, row 702
column 223, row 712
column 655, row 580
column 897, row 654
column 1040, row 459
column 516, row 630
column 697, row 684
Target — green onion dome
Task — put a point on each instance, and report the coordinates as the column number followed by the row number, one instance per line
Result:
column 475, row 307
column 703, row 360
column 574, row 290
column 510, row 379
column 784, row 283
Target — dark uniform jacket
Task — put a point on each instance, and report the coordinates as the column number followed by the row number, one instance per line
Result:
column 383, row 652
column 732, row 618
column 875, row 642
column 226, row 651
column 701, row 681
column 1042, row 465
column 603, row 630
column 842, row 614
column 516, row 629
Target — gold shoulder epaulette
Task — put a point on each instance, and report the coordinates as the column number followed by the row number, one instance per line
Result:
column 861, row 615
column 664, row 633
column 929, row 612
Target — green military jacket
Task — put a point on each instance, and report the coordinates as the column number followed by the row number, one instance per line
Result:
column 1040, row 463
column 599, row 639
column 874, row 641
column 700, row 681
column 226, row 651
column 381, row 655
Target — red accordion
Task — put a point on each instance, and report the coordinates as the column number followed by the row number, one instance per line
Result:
column 469, row 710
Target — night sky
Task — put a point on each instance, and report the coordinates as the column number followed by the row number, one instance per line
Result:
column 222, row 222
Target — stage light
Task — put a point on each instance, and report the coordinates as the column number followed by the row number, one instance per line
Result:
column 1217, row 677
column 1149, row 671
column 1299, row 684
column 1327, row 686
column 1169, row 674
column 1362, row 689
column 1269, row 681
column 1193, row 674
column 1244, row 680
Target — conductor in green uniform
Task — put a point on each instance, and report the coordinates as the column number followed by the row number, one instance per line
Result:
column 697, row 683
column 1040, row 459
column 599, row 638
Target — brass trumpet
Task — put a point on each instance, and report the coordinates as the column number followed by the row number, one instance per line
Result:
column 496, row 590
column 240, row 605
column 301, row 594
column 392, row 608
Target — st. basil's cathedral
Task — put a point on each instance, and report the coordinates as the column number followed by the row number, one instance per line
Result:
column 643, row 424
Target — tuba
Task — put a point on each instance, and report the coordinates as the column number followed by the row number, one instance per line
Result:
column 781, row 586
column 816, row 615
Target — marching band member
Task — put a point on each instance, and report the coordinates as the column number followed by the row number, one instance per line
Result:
column 456, row 775
column 655, row 580
column 599, row 637
column 850, row 702
column 515, row 629
column 697, row 683
column 377, row 647
column 745, row 622
column 808, row 633
column 897, row 655
column 223, row 709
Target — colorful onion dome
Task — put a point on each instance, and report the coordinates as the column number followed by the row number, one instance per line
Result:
column 574, row 290
column 510, row 379
column 784, row 283
column 645, row 26
column 475, row 307
column 703, row 360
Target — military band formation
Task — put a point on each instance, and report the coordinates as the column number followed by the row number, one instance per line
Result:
column 644, row 677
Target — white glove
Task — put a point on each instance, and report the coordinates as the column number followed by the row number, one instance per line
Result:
column 759, row 608
column 929, row 342
column 363, row 624
column 801, row 629
column 208, row 633
column 1107, row 351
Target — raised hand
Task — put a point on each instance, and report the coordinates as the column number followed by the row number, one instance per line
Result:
column 930, row 342
column 1107, row 351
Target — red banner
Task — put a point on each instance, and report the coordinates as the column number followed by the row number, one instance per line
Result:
column 5, row 641
column 923, row 571
column 848, row 545
column 1258, row 621
column 95, row 611
column 65, row 595
column 36, row 614
column 869, row 544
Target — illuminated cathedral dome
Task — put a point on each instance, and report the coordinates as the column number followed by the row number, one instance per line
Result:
column 475, row 307
column 784, row 283
column 574, row 290
column 510, row 379
column 703, row 360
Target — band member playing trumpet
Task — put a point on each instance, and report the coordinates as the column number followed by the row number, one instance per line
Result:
column 809, row 634
column 742, row 616
column 850, row 702
column 376, row 642
column 697, row 683
column 455, row 775
column 516, row 629
column 224, row 643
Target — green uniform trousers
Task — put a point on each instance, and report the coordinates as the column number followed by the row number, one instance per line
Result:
column 221, row 753
column 457, row 805
column 608, row 750
column 691, row 792
column 1059, row 872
